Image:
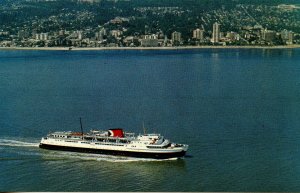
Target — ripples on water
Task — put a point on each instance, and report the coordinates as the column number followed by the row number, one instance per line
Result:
column 238, row 109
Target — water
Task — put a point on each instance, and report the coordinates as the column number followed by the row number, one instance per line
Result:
column 238, row 109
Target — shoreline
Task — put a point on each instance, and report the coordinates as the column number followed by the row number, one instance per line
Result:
column 148, row 48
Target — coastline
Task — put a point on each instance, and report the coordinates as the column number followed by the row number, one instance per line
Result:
column 148, row 48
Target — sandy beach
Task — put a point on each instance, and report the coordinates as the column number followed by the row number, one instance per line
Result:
column 150, row 48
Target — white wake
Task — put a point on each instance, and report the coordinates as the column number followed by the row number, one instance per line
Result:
column 97, row 157
column 17, row 143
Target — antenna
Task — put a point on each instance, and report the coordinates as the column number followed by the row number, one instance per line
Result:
column 81, row 127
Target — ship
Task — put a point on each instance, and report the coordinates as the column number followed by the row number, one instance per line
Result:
column 114, row 142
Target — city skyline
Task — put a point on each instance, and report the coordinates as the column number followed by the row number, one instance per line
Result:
column 141, row 27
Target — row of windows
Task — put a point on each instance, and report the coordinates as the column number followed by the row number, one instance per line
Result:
column 141, row 142
column 109, row 144
column 89, row 142
column 156, row 147
column 61, row 136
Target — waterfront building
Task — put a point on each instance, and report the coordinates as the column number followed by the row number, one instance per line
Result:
column 76, row 35
column 79, row 35
column 149, row 41
column 116, row 33
column 232, row 36
column 4, row 33
column 176, row 38
column 129, row 41
column 100, row 35
column 268, row 35
column 41, row 36
column 221, row 35
column 291, row 38
column 198, row 34
column 287, row 36
column 165, row 43
column 103, row 31
column 216, row 33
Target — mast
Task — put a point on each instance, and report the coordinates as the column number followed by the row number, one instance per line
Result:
column 81, row 127
column 144, row 128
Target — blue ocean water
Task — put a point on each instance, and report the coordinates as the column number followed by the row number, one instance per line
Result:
column 238, row 109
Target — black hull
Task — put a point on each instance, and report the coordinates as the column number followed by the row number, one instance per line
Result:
column 118, row 153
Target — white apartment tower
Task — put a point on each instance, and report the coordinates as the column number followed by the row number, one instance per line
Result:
column 176, row 36
column 216, row 33
column 198, row 34
column 41, row 36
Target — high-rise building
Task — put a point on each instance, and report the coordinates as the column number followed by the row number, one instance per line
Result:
column 41, row 36
column 79, row 35
column 198, row 34
column 116, row 33
column 268, row 35
column 150, row 41
column 100, row 35
column 44, row 36
column 176, row 37
column 216, row 33
column 165, row 41
column 291, row 38
column 287, row 36
column 103, row 31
